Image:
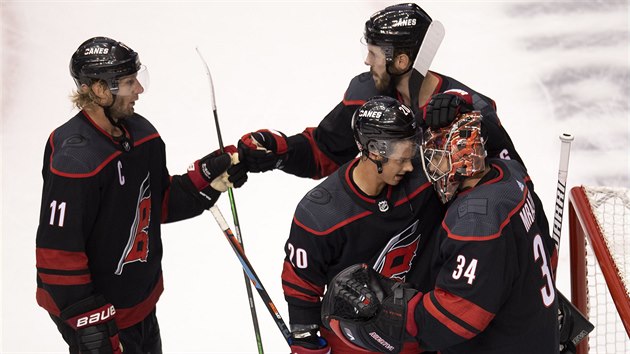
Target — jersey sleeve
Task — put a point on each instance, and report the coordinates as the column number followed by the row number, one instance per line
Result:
column 68, row 211
column 304, row 273
column 472, row 284
column 181, row 199
column 318, row 152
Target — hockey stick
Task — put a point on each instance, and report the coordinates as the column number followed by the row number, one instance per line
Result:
column 428, row 49
column 249, row 271
column 565, row 151
column 430, row 44
column 237, row 227
column 574, row 326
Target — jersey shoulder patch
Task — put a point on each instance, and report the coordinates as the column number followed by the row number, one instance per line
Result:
column 482, row 213
column 78, row 149
column 361, row 89
column 327, row 208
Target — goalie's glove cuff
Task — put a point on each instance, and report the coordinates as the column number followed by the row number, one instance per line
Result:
column 366, row 310
column 307, row 341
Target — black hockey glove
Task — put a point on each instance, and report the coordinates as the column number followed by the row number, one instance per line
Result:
column 263, row 150
column 367, row 310
column 305, row 340
column 94, row 325
column 217, row 171
column 445, row 107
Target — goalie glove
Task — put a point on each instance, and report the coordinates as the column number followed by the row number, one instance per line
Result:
column 95, row 329
column 263, row 150
column 366, row 310
column 445, row 107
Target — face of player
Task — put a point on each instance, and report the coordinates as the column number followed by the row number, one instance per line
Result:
column 376, row 60
column 129, row 89
column 399, row 163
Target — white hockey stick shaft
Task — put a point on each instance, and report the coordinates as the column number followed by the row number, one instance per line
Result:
column 565, row 150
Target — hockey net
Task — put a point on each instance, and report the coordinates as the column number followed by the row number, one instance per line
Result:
column 599, row 226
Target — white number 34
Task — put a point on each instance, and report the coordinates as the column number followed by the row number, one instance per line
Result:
column 470, row 271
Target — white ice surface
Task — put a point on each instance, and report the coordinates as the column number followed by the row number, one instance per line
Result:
column 552, row 67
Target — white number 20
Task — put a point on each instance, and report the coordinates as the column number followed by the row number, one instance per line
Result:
column 469, row 272
column 297, row 257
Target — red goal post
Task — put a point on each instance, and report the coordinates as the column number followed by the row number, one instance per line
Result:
column 599, row 227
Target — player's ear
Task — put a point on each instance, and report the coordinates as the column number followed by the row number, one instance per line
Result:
column 402, row 61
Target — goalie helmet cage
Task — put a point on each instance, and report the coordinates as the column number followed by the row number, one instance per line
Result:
column 599, row 227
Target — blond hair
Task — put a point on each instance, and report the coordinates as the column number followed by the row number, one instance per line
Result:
column 85, row 96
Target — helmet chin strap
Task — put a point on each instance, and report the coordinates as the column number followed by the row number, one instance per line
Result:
column 378, row 163
column 123, row 142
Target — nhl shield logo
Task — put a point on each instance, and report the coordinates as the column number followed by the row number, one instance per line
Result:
column 383, row 206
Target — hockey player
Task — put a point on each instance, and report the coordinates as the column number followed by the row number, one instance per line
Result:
column 106, row 191
column 377, row 209
column 393, row 37
column 494, row 291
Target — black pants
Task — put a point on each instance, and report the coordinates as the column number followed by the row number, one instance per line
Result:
column 141, row 338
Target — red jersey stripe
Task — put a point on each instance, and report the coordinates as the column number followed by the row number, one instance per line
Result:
column 55, row 279
column 447, row 322
column 463, row 309
column 60, row 260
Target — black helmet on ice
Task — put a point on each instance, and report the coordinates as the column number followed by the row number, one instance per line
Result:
column 102, row 58
column 401, row 26
column 381, row 122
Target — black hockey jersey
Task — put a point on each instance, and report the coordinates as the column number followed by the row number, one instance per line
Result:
column 99, row 226
column 494, row 291
column 335, row 226
column 317, row 152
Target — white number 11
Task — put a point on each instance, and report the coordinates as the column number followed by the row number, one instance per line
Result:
column 53, row 211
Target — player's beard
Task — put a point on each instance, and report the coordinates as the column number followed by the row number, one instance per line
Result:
column 121, row 109
column 382, row 82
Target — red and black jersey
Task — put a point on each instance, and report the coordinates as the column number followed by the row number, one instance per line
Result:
column 335, row 225
column 99, row 225
column 494, row 291
column 317, row 152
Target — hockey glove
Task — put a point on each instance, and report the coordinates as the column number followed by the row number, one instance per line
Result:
column 304, row 340
column 263, row 150
column 445, row 107
column 217, row 171
column 367, row 310
column 94, row 325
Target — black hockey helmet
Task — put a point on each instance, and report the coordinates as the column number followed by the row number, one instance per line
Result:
column 102, row 58
column 397, row 27
column 381, row 122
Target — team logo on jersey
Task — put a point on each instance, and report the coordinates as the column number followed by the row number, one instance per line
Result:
column 396, row 258
column 137, row 249
column 383, row 206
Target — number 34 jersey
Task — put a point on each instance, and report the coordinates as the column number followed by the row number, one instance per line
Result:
column 494, row 291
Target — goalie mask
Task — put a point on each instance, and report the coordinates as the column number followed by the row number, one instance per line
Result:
column 454, row 153
column 382, row 123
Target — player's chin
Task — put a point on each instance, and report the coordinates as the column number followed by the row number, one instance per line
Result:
column 396, row 179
